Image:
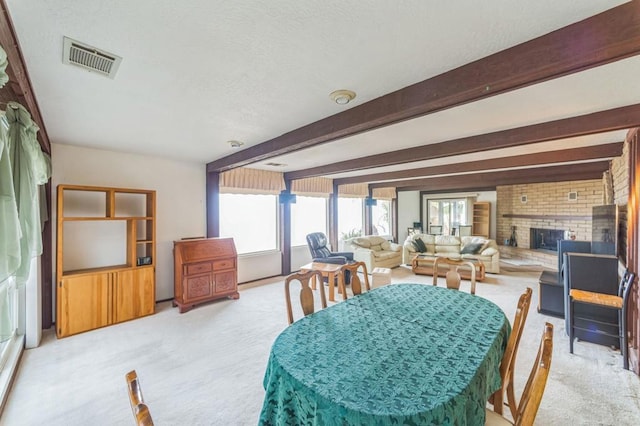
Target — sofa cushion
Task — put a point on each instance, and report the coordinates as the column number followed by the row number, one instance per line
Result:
column 428, row 238
column 489, row 251
column 382, row 255
column 361, row 242
column 447, row 240
column 419, row 245
column 474, row 239
column 472, row 248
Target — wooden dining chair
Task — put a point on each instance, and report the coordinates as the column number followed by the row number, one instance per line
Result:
column 351, row 269
column 533, row 390
column 507, row 365
column 306, row 293
column 452, row 277
column 619, row 303
column 140, row 410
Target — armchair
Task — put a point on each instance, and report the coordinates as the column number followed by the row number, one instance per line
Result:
column 317, row 242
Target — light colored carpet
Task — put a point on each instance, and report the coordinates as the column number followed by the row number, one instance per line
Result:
column 520, row 262
column 205, row 367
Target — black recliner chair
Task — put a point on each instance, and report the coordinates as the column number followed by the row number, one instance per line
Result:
column 317, row 242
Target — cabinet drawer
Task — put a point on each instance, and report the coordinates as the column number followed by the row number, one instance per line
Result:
column 198, row 268
column 223, row 264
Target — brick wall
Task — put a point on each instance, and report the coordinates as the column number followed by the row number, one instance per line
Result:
column 620, row 176
column 620, row 181
column 548, row 199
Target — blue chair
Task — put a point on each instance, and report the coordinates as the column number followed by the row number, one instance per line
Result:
column 616, row 302
column 317, row 242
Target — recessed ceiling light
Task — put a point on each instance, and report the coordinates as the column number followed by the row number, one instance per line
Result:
column 342, row 97
column 235, row 144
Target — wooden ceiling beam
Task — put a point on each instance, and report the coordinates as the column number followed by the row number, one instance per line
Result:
column 598, row 122
column 549, row 157
column 17, row 72
column 559, row 173
column 607, row 37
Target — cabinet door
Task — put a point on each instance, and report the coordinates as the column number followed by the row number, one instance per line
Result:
column 134, row 293
column 84, row 303
column 225, row 282
column 197, row 287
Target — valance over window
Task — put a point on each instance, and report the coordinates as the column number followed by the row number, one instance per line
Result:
column 253, row 181
column 384, row 193
column 353, row 190
column 312, row 187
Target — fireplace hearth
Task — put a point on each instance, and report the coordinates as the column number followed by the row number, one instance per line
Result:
column 545, row 239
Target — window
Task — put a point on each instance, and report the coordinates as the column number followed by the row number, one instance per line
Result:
column 448, row 213
column 381, row 217
column 308, row 214
column 350, row 220
column 8, row 316
column 251, row 220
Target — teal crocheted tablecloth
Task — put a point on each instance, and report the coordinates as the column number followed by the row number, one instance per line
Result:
column 404, row 354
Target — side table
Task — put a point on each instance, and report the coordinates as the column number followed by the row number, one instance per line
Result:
column 328, row 271
column 551, row 294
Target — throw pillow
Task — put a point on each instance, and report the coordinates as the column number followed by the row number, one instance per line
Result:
column 472, row 248
column 419, row 246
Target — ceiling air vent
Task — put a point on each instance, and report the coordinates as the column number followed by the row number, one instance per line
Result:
column 90, row 58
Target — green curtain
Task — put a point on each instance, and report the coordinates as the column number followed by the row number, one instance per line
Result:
column 4, row 78
column 31, row 168
column 9, row 224
column 9, row 236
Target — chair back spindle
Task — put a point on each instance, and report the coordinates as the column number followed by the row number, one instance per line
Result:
column 306, row 293
column 351, row 269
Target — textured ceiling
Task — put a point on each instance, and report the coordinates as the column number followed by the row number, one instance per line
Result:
column 197, row 74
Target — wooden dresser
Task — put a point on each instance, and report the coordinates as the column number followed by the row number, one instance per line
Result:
column 205, row 269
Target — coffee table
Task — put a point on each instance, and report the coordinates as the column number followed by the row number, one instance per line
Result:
column 328, row 271
column 422, row 264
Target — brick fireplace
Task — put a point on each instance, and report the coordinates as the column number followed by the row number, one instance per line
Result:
column 545, row 239
column 551, row 207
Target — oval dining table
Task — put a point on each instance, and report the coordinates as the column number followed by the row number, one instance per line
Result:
column 403, row 354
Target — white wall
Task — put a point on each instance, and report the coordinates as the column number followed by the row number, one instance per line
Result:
column 300, row 256
column 408, row 212
column 180, row 194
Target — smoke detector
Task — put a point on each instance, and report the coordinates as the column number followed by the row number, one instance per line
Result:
column 90, row 58
column 342, row 97
column 235, row 144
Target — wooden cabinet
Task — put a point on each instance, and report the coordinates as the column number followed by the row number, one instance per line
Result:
column 83, row 303
column 105, row 266
column 481, row 218
column 205, row 269
column 134, row 293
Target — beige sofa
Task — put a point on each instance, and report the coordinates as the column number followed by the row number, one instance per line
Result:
column 451, row 246
column 375, row 252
